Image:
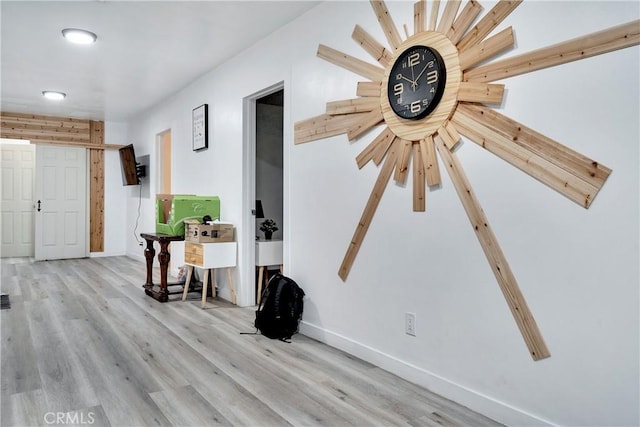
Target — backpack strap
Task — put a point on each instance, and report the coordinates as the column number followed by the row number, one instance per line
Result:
column 276, row 301
column 263, row 297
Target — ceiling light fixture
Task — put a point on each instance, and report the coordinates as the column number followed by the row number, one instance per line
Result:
column 54, row 95
column 75, row 35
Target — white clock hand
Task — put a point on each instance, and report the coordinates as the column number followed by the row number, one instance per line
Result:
column 413, row 84
column 407, row 79
column 423, row 70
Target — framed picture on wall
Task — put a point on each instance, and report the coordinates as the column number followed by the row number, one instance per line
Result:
column 199, row 126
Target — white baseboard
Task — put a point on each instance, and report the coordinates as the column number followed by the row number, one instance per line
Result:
column 492, row 408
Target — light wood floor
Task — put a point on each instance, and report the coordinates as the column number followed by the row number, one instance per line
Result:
column 83, row 342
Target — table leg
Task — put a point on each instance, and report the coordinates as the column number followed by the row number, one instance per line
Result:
column 149, row 254
column 205, row 285
column 186, row 284
column 260, row 273
column 164, row 257
column 214, row 284
column 159, row 292
column 231, row 286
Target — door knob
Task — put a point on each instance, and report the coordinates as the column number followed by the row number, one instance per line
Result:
column 38, row 205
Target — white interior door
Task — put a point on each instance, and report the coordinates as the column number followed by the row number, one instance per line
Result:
column 17, row 190
column 61, row 203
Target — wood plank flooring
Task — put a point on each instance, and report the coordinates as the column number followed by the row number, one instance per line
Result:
column 82, row 344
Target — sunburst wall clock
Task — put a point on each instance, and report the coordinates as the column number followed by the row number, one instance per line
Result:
column 436, row 84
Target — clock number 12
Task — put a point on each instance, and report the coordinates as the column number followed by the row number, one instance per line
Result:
column 413, row 59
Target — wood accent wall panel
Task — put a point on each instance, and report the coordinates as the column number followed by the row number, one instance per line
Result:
column 50, row 130
column 96, row 187
column 44, row 128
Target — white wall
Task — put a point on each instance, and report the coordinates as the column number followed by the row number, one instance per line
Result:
column 115, row 194
column 577, row 268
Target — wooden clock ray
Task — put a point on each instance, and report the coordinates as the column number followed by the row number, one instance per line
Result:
column 433, row 86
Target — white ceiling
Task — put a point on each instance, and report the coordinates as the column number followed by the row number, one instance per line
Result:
column 146, row 50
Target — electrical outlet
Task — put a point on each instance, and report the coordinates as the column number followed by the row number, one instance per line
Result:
column 410, row 324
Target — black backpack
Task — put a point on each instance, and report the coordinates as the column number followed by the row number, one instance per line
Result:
column 280, row 308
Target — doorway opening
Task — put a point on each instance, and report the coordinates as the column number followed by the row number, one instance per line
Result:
column 263, row 181
column 269, row 187
column 163, row 182
column 269, row 165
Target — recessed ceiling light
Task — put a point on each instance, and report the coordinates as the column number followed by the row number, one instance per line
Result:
column 75, row 35
column 53, row 95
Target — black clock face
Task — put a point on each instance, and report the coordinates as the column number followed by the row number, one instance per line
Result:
column 416, row 82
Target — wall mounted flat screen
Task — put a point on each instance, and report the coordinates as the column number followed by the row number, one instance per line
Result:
column 128, row 166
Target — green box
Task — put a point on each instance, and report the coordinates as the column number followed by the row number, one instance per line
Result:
column 172, row 210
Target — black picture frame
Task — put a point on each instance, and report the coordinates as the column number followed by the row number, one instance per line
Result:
column 200, row 127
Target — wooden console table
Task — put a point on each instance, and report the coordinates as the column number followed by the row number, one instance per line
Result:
column 159, row 292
